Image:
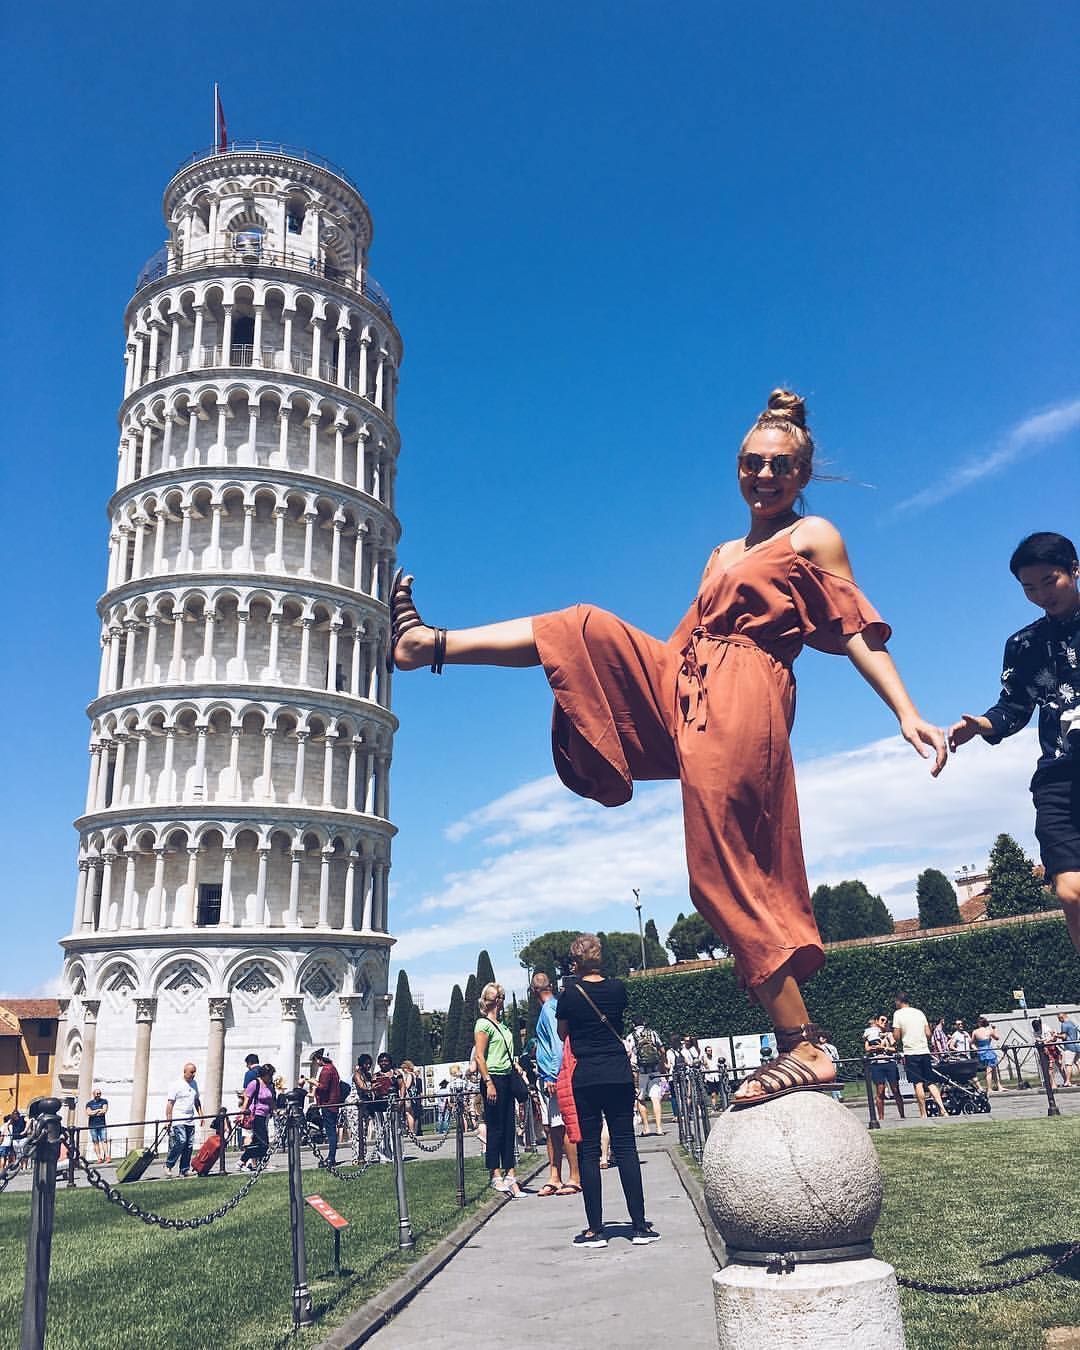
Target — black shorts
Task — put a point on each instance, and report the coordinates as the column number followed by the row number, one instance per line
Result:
column 920, row 1068
column 1057, row 822
column 887, row 1071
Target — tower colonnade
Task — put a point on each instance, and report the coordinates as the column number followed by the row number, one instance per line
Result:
column 235, row 844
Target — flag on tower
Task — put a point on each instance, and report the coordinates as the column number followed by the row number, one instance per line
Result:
column 221, row 135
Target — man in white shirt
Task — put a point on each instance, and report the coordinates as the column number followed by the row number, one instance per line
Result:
column 960, row 1040
column 182, row 1106
column 912, row 1033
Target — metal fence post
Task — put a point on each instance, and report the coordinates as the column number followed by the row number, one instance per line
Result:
column 1052, row 1108
column 301, row 1299
column 871, row 1107
column 459, row 1146
column 406, row 1241
column 46, row 1124
column 72, row 1140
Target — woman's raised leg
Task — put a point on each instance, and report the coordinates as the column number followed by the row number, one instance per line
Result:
column 509, row 643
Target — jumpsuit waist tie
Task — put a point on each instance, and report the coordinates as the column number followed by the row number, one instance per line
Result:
column 691, row 691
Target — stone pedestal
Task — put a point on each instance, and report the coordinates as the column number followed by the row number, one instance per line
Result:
column 798, row 1177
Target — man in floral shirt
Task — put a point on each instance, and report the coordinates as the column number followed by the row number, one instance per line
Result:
column 1042, row 666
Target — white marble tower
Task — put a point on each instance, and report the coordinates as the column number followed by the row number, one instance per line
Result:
column 235, row 846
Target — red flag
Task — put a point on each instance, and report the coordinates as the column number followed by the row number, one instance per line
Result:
column 221, row 135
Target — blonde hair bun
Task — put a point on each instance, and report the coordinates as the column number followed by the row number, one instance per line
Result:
column 783, row 403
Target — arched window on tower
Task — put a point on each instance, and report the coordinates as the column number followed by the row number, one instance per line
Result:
column 295, row 210
column 243, row 340
column 248, row 243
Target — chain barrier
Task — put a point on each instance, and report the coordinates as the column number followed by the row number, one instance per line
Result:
column 991, row 1286
column 424, row 1148
column 116, row 1197
column 334, row 1168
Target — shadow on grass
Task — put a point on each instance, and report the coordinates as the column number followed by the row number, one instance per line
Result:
column 1049, row 1251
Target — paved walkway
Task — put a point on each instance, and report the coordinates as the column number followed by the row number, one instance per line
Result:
column 619, row 1295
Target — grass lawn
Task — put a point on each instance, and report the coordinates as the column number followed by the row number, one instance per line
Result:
column 118, row 1284
column 958, row 1199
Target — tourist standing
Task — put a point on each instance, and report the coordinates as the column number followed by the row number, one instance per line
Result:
column 880, row 1049
column 591, row 1012
column 182, row 1106
column 328, row 1100
column 982, row 1039
column 912, row 1033
column 648, row 1060
column 259, row 1100
column 960, row 1040
column 549, row 1058
column 493, row 1047
column 96, row 1108
column 1069, row 1034
column 1042, row 669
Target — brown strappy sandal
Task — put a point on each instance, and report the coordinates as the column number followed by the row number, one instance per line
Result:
column 786, row 1074
column 403, row 616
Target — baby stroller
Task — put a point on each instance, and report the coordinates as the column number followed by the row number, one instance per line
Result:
column 957, row 1079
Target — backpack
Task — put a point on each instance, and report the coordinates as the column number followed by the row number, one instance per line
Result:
column 646, row 1051
column 344, row 1088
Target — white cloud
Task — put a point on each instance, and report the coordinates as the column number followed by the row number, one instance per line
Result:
column 1032, row 433
column 553, row 860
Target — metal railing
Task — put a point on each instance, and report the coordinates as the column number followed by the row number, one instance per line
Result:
column 261, row 255
column 268, row 148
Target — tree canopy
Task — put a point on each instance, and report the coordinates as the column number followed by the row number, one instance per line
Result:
column 548, row 952
column 398, row 1040
column 451, row 1037
column 485, row 972
column 690, row 937
column 937, row 900
column 849, row 910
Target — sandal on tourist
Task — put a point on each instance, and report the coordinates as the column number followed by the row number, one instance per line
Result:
column 787, row 1074
column 404, row 616
column 548, row 1189
column 568, row 1188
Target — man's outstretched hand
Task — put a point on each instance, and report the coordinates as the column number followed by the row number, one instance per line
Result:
column 966, row 730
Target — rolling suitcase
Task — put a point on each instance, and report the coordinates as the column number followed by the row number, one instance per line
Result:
column 207, row 1155
column 136, row 1162
column 210, row 1152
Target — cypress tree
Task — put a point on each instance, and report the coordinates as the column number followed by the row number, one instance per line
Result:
column 418, row 1048
column 451, row 1036
column 398, row 1040
column 655, row 955
column 822, row 903
column 937, row 900
column 468, row 1020
column 1014, row 887
column 485, row 972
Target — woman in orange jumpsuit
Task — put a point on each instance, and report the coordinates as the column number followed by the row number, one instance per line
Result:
column 713, row 707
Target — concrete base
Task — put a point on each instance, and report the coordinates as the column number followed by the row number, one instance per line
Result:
column 839, row 1303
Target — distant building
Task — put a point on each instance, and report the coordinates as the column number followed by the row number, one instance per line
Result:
column 970, row 882
column 27, row 1050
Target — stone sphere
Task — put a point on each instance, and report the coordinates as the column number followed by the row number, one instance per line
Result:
column 792, row 1174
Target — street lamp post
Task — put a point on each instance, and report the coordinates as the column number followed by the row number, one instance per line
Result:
column 640, row 928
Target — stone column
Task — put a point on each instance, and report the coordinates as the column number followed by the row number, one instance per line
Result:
column 61, row 1041
column 262, row 910
column 350, row 917
column 324, row 889
column 89, row 1045
column 291, row 1009
column 346, row 1051
column 79, row 920
column 215, row 1056
column 382, row 1010
column 293, row 918
column 145, row 1009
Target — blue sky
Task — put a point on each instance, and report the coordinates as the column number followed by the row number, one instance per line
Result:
column 607, row 231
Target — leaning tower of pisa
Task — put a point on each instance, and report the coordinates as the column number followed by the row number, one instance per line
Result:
column 235, row 845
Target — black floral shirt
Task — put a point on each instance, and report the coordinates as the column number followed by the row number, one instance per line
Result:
column 1042, row 667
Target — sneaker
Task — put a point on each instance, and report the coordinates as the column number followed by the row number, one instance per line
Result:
column 498, row 1184
column 644, row 1235
column 588, row 1239
column 170, row 1175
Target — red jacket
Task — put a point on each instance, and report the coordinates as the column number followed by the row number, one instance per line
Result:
column 564, row 1094
column 328, row 1088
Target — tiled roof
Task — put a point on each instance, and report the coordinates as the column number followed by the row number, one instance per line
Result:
column 906, row 926
column 974, row 909
column 26, row 1009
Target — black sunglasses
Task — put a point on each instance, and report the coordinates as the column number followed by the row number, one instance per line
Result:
column 781, row 465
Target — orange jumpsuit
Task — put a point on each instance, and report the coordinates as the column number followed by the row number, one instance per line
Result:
column 713, row 707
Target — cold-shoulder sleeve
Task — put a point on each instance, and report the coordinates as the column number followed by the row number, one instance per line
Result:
column 831, row 609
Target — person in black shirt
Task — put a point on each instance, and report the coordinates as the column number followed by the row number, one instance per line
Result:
column 1042, row 667
column 591, row 1010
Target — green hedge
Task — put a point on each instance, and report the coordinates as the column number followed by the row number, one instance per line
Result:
column 960, row 976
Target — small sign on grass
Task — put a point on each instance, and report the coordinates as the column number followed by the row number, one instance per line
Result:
column 329, row 1213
